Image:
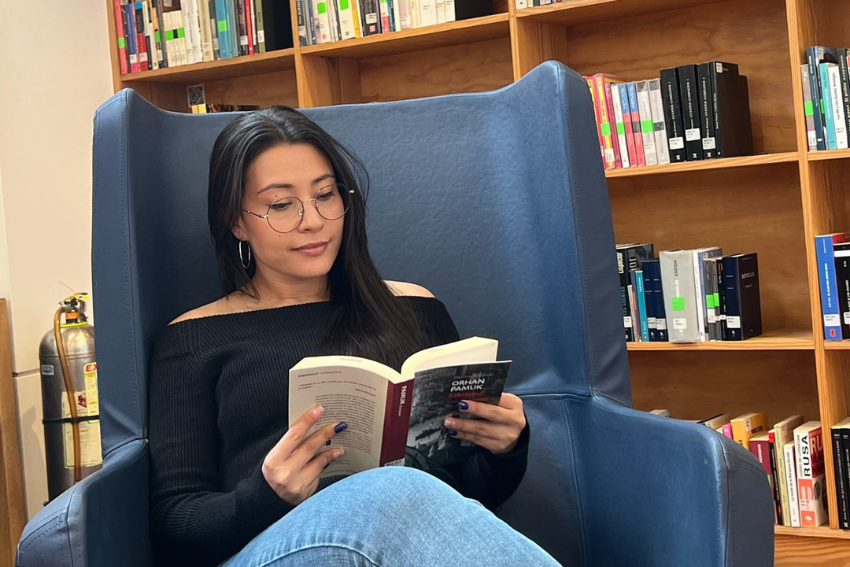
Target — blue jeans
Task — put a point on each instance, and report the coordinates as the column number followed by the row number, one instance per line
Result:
column 390, row 517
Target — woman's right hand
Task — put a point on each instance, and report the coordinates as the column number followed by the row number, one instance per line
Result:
column 292, row 467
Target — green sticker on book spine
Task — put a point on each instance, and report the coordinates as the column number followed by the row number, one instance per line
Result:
column 343, row 4
column 647, row 127
column 222, row 25
column 709, row 301
column 810, row 108
column 621, row 129
column 122, row 43
column 677, row 303
column 322, row 7
column 606, row 129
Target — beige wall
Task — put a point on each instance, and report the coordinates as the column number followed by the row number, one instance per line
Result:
column 54, row 72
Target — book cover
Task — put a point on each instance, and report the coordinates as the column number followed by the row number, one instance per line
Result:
column 659, row 129
column 744, row 427
column 382, row 407
column 647, row 126
column 706, row 107
column 742, row 296
column 784, row 435
column 808, row 109
column 689, row 97
column 791, row 476
column 681, row 302
column 620, row 125
column 733, row 133
column 808, row 441
column 673, row 114
column 627, row 124
column 634, row 113
column 828, row 284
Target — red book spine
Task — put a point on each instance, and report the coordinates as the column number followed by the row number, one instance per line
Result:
column 615, row 142
column 727, row 430
column 761, row 449
column 249, row 23
column 396, row 423
column 120, row 36
column 627, row 122
column 636, row 134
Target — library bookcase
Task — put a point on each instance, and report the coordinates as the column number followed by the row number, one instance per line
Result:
column 772, row 203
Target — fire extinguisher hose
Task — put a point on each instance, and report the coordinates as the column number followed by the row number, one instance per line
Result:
column 69, row 391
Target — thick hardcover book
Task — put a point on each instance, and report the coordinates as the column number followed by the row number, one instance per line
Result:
column 841, row 485
column 743, row 303
column 816, row 55
column 842, row 276
column 681, row 303
column 673, row 114
column 744, row 427
column 627, row 124
column 784, row 434
column 634, row 113
column 830, row 291
column 733, row 132
column 277, row 25
column 808, row 439
column 659, row 129
column 689, row 96
column 387, row 411
column 701, row 256
column 706, row 107
column 647, row 126
column 808, row 109
column 630, row 257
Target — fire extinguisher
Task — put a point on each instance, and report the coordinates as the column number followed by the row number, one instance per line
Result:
column 69, row 397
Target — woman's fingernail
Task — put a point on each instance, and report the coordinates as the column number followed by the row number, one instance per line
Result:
column 451, row 432
column 463, row 406
column 449, row 422
column 338, row 453
column 317, row 413
column 340, row 427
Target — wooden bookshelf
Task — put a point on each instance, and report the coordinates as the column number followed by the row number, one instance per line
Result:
column 773, row 202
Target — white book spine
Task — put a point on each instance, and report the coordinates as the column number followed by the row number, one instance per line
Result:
column 450, row 11
column 700, row 295
column 185, row 23
column 656, row 105
column 441, row 11
column 396, row 12
column 415, row 20
column 791, row 478
column 838, row 107
column 405, row 19
column 346, row 21
column 618, row 123
column 206, row 32
column 427, row 12
column 645, row 111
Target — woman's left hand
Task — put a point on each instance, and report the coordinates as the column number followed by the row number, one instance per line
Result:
column 498, row 428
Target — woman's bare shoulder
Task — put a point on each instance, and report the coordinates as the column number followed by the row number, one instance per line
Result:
column 221, row 306
column 405, row 288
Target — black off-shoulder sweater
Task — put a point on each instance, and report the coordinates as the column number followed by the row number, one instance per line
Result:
column 218, row 404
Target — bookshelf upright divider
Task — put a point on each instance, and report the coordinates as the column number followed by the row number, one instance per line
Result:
column 772, row 203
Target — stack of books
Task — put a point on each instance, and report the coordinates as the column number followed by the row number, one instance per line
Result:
column 826, row 97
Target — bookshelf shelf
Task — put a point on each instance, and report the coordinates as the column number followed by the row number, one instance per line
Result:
column 821, row 532
column 773, row 203
column 257, row 64
column 715, row 164
column 828, row 154
column 591, row 11
column 440, row 35
column 778, row 340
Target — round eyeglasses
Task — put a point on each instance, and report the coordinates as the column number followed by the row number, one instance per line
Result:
column 285, row 215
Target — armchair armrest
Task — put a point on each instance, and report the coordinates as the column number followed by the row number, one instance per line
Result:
column 100, row 522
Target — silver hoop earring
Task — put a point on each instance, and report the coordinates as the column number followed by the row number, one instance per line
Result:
column 247, row 264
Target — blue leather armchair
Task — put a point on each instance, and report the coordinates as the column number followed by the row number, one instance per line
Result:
column 497, row 203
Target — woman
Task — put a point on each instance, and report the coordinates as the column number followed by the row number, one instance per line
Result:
column 230, row 484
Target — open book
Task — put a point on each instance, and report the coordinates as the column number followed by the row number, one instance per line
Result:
column 386, row 410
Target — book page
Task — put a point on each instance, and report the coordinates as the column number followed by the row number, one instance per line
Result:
column 467, row 351
column 350, row 394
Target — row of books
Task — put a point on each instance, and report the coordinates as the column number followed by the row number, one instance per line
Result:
column 156, row 34
column 826, row 97
column 688, row 296
column 693, row 112
column 323, row 21
column 833, row 258
column 520, row 4
column 792, row 455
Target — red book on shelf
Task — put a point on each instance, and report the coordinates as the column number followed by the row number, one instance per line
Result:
column 120, row 36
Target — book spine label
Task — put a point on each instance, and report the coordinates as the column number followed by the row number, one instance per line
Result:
column 808, row 109
column 634, row 114
column 840, row 481
column 396, row 423
column 829, row 303
column 791, row 476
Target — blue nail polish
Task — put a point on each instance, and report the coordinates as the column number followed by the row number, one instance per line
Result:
column 463, row 406
column 451, row 432
column 341, row 426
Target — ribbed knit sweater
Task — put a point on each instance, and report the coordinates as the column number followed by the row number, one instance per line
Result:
column 218, row 404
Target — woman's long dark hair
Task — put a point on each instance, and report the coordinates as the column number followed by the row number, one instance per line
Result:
column 368, row 321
